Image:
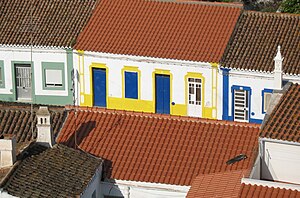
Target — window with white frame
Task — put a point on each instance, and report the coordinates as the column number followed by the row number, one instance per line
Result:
column 267, row 98
column 53, row 75
column 53, row 78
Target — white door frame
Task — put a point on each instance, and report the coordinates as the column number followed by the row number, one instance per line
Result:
column 23, row 81
column 194, row 96
column 241, row 102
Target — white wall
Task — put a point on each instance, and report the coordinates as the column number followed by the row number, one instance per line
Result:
column 5, row 195
column 131, row 189
column 220, row 95
column 39, row 55
column 147, row 66
column 94, row 185
column 116, row 63
column 280, row 161
column 257, row 82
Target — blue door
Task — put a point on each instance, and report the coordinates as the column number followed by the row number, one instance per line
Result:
column 162, row 94
column 99, row 87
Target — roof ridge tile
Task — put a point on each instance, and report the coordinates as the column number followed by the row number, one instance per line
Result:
column 160, row 116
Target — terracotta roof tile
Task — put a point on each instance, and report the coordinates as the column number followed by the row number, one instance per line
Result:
column 158, row 148
column 284, row 121
column 253, row 45
column 55, row 22
column 224, row 184
column 185, row 31
column 52, row 172
column 228, row 184
column 248, row 190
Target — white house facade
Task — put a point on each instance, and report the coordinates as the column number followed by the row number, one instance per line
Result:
column 38, row 75
column 148, row 84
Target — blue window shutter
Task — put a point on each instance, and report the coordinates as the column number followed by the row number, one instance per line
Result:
column 99, row 87
column 162, row 94
column 159, row 96
column 131, row 85
column 166, row 94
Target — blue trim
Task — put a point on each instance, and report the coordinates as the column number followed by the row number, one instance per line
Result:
column 225, row 73
column 257, row 121
column 263, row 98
column 237, row 87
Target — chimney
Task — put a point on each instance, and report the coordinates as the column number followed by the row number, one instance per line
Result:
column 44, row 131
column 278, row 70
column 7, row 151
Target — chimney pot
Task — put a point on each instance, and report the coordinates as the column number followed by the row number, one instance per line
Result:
column 44, row 131
column 7, row 150
column 278, row 70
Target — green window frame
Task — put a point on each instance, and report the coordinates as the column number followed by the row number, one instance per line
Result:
column 2, row 82
column 48, row 70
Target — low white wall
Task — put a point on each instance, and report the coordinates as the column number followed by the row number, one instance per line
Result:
column 94, row 185
column 5, row 195
column 131, row 189
column 280, row 161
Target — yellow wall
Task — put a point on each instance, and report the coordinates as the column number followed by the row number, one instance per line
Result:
column 214, row 89
column 129, row 103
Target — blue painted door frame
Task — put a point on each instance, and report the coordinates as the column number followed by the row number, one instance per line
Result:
column 99, row 87
column 162, row 94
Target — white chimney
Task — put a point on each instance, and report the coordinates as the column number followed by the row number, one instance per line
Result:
column 44, row 131
column 278, row 70
column 7, row 151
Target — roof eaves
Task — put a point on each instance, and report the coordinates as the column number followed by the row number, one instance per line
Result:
column 36, row 46
column 160, row 116
column 208, row 3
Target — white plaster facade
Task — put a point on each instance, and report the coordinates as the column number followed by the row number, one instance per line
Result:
column 147, row 66
column 133, row 189
column 277, row 161
column 94, row 186
column 257, row 82
column 280, row 161
column 19, row 54
column 4, row 194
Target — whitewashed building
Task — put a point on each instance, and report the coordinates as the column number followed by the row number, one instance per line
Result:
column 36, row 56
column 262, row 55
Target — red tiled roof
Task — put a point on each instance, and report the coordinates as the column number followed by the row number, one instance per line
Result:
column 250, row 191
column 284, row 121
column 159, row 148
column 225, row 184
column 228, row 185
column 195, row 31
column 257, row 35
